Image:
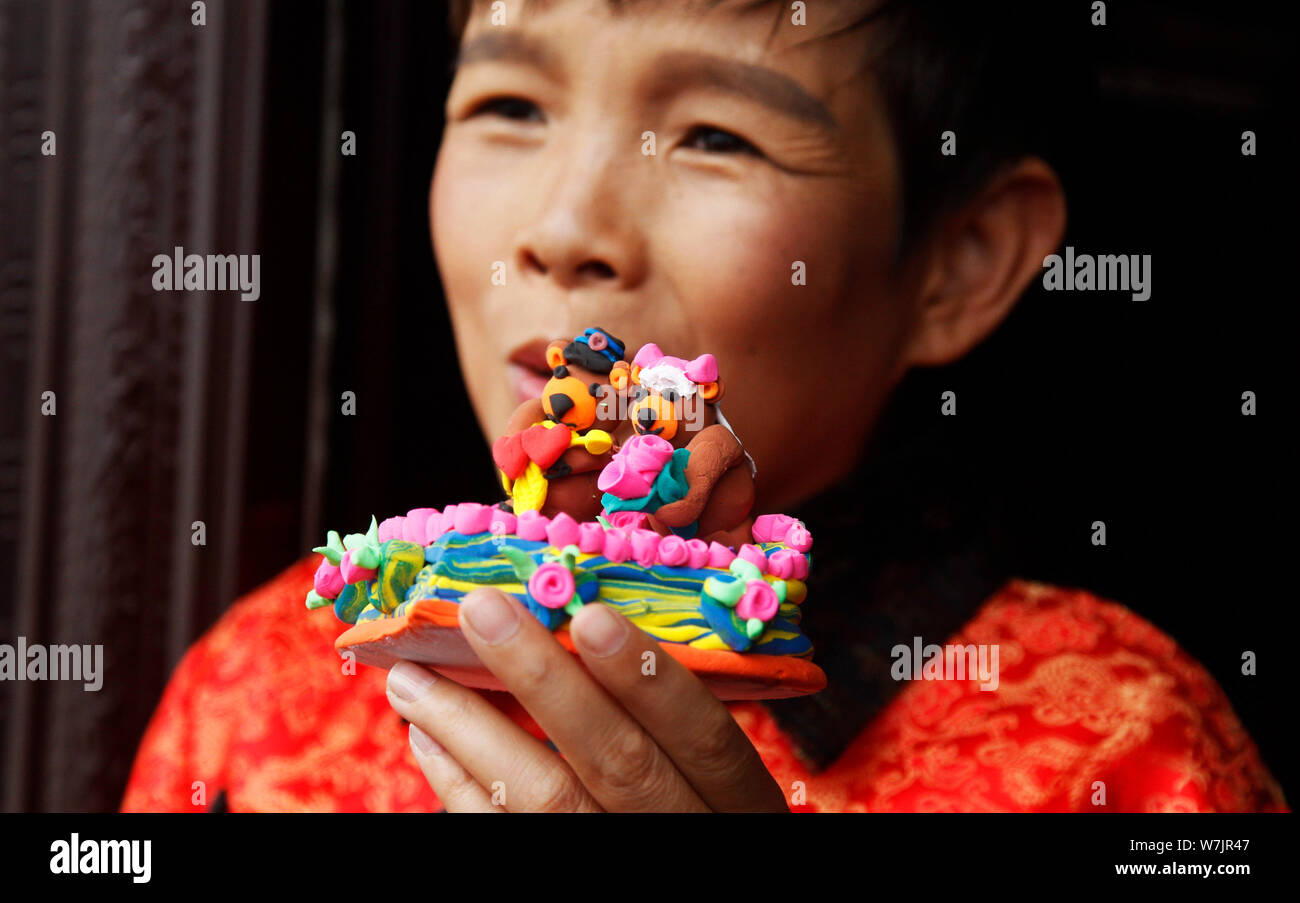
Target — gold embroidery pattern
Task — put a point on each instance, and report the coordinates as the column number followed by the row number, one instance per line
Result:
column 260, row 709
column 1088, row 692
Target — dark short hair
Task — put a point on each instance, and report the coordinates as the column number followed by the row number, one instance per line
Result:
column 1004, row 76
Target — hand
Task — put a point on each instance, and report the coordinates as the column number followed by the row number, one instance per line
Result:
column 631, row 742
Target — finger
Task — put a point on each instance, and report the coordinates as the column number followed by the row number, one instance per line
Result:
column 688, row 722
column 514, row 767
column 456, row 788
column 617, row 761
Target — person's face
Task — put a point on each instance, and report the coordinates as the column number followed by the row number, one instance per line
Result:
column 772, row 165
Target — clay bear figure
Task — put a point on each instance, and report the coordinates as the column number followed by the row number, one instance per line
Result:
column 555, row 446
column 676, row 401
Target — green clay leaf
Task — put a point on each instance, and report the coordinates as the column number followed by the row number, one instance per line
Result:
column 754, row 628
column 367, row 557
column 331, row 555
column 728, row 592
column 372, row 535
column 574, row 604
column 604, row 523
column 333, row 549
column 745, row 570
column 354, row 541
column 315, row 600
column 778, row 587
column 523, row 563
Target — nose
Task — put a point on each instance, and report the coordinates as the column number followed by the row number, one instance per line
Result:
column 646, row 418
column 561, row 405
column 586, row 233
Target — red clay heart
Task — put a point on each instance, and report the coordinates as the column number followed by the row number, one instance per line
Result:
column 544, row 446
column 508, row 452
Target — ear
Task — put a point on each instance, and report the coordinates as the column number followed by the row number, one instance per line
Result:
column 981, row 258
column 647, row 355
column 620, row 377
column 711, row 392
column 555, row 354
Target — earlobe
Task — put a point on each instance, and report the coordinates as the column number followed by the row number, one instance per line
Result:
column 982, row 258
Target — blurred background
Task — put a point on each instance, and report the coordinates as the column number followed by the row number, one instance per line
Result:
column 179, row 407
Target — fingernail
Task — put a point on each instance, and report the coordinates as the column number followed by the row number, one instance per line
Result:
column 602, row 632
column 490, row 616
column 408, row 681
column 424, row 744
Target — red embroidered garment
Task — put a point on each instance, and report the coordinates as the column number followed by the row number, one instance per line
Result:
column 260, row 710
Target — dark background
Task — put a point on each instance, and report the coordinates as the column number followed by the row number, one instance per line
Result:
column 1082, row 407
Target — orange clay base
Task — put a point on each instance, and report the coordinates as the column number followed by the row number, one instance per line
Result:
column 429, row 633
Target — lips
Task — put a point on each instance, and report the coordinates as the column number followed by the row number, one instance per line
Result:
column 531, row 355
column 527, row 369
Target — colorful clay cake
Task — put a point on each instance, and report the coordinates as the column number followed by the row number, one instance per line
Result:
column 624, row 485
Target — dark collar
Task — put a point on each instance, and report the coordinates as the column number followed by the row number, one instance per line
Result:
column 910, row 544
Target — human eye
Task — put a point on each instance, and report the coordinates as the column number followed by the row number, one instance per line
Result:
column 718, row 141
column 514, row 108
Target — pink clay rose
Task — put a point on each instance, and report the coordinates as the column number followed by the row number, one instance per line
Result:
column 772, row 527
column 551, row 585
column 329, row 580
column 354, row 573
column 627, row 520
column 798, row 538
column 759, row 601
column 631, row 473
column 673, row 551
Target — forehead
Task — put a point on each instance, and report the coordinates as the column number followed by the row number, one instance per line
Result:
column 823, row 52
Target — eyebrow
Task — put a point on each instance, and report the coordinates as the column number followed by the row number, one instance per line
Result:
column 675, row 71
column 505, row 46
column 683, row 69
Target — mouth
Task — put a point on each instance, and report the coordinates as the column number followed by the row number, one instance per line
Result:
column 527, row 371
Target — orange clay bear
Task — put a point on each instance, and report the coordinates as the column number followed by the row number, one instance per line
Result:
column 677, row 400
column 555, row 445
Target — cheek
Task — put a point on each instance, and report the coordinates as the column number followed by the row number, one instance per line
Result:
column 806, row 359
column 473, row 203
column 463, row 230
column 465, row 239
column 739, row 254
